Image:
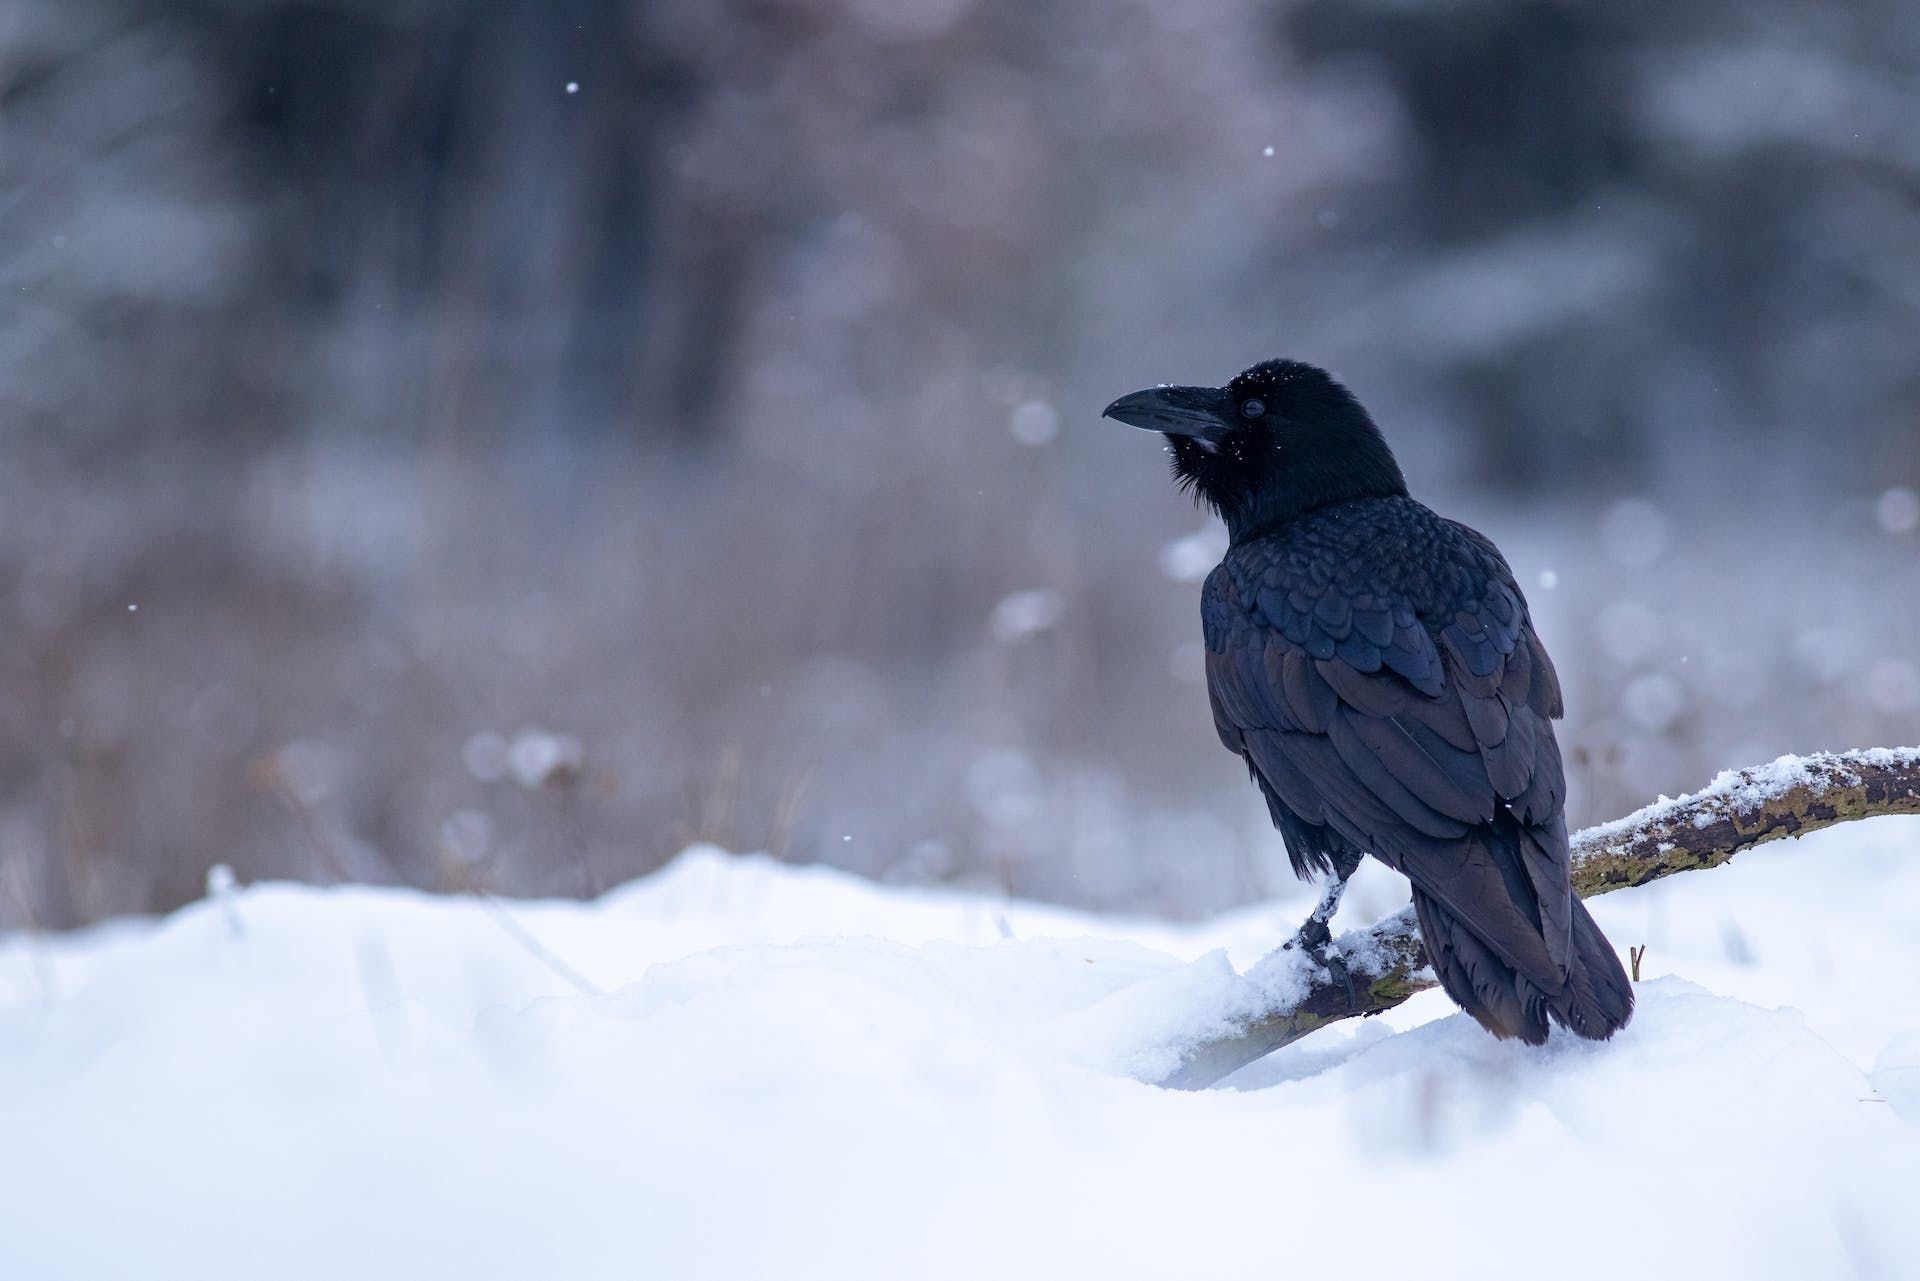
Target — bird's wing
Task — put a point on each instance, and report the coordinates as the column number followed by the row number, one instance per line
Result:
column 1356, row 717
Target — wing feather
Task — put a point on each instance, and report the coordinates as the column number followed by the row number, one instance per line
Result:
column 1417, row 730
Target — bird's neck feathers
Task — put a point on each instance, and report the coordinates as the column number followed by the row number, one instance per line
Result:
column 1259, row 482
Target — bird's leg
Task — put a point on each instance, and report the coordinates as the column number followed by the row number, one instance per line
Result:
column 1315, row 936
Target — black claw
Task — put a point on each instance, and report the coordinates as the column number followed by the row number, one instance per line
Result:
column 1323, row 954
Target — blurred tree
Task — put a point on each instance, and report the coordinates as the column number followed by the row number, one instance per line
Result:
column 731, row 411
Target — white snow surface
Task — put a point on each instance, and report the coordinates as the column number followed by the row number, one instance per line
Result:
column 737, row 1068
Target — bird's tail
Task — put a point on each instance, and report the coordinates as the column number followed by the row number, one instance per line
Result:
column 1595, row 1001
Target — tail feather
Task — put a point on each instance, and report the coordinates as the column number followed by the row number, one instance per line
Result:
column 1595, row 1001
column 1598, row 1000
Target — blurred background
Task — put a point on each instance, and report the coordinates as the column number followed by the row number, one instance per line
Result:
column 498, row 444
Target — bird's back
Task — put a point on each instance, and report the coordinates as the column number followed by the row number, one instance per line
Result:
column 1375, row 665
column 1368, row 553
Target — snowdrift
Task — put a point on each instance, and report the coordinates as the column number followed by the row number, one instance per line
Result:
column 737, row 1068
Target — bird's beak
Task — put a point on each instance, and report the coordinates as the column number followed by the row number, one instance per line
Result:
column 1203, row 414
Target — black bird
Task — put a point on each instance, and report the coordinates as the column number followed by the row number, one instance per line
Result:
column 1375, row 666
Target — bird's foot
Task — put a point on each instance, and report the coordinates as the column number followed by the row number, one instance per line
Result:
column 1314, row 936
column 1328, row 958
column 1316, row 940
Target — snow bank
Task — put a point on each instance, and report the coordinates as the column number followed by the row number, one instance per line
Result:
column 740, row 1069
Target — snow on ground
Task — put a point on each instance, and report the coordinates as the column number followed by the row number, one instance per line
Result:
column 740, row 1069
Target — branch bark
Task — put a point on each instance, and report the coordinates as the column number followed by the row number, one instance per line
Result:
column 1738, row 810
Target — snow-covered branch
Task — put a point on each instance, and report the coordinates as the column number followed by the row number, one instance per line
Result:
column 1736, row 811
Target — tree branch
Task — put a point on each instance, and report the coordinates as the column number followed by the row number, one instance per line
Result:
column 1736, row 811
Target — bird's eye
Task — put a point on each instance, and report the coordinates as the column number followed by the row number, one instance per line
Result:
column 1252, row 408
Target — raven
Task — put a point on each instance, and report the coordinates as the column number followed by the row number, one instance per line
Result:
column 1375, row 666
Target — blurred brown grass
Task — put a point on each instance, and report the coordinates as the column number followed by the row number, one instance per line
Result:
column 412, row 470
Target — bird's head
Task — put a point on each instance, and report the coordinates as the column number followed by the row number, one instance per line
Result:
column 1278, row 441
